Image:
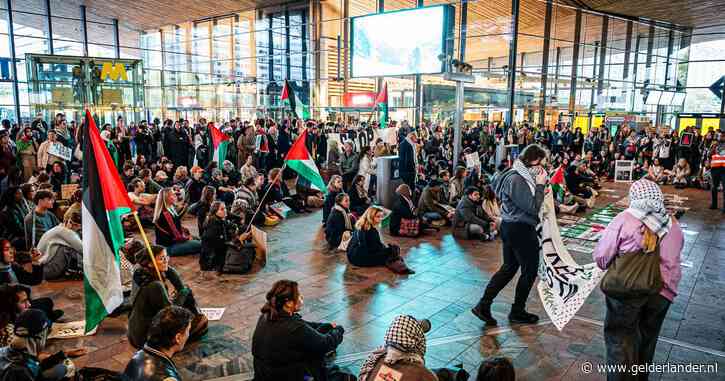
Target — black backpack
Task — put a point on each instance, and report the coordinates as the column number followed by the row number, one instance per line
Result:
column 239, row 258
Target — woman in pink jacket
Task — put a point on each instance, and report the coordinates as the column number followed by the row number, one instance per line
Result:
column 632, row 325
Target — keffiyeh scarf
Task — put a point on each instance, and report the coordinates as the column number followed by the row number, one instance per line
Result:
column 647, row 204
column 525, row 172
column 346, row 215
column 404, row 342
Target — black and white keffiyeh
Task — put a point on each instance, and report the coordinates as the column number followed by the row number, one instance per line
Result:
column 647, row 204
column 404, row 342
column 524, row 171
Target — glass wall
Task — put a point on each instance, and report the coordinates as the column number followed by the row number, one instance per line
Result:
column 235, row 65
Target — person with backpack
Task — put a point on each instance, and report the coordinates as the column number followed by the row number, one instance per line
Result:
column 641, row 248
column 521, row 191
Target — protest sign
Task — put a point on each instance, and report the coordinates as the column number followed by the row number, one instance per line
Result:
column 563, row 284
column 623, row 171
column 66, row 191
column 69, row 330
column 59, row 150
column 473, row 160
column 213, row 314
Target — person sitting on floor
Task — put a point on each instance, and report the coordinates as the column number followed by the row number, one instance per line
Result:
column 681, row 174
column 21, row 360
column 167, row 226
column 144, row 202
column 61, row 250
column 470, row 221
column 334, row 187
column 168, row 334
column 287, row 348
column 403, row 353
column 404, row 220
column 367, row 249
column 340, row 223
column 491, row 206
column 149, row 295
column 249, row 201
column 359, row 199
column 41, row 218
column 277, row 191
column 430, row 207
column 657, row 172
column 14, row 300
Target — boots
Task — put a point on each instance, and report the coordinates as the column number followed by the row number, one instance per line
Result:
column 522, row 317
column 483, row 312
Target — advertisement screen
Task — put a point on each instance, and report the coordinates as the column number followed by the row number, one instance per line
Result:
column 398, row 43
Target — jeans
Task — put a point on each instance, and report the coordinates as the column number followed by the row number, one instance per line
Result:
column 191, row 246
column 65, row 258
column 718, row 177
column 520, row 249
column 631, row 328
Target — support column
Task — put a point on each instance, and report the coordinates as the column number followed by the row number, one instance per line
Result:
column 670, row 47
column 164, row 103
column 627, row 49
column 557, row 71
column 50, row 26
column 287, row 51
column 650, row 47
column 545, row 63
column 85, row 30
column 463, row 31
column 346, row 41
column 11, row 36
column 116, row 39
column 575, row 60
column 417, row 100
column 512, row 61
column 603, row 55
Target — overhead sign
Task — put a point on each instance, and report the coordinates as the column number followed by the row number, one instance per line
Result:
column 718, row 87
column 114, row 71
column 360, row 100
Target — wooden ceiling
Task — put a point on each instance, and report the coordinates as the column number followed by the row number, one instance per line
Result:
column 688, row 13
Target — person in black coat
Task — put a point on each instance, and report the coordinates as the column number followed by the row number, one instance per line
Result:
column 359, row 199
column 402, row 209
column 214, row 237
column 286, row 347
column 167, row 226
column 334, row 187
column 339, row 221
column 367, row 249
column 176, row 145
column 407, row 159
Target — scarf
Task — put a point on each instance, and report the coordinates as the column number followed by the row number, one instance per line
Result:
column 647, row 204
column 346, row 215
column 404, row 342
column 22, row 144
column 7, row 273
column 525, row 172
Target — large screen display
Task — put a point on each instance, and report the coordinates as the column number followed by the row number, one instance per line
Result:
column 398, row 43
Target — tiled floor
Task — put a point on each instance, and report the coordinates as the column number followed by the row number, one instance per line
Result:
column 449, row 280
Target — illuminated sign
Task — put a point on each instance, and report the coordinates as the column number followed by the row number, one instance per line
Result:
column 361, row 100
column 114, row 71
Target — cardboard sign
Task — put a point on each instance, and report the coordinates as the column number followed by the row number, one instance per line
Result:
column 259, row 238
column 67, row 190
column 70, row 330
column 61, row 151
column 686, row 139
column 473, row 160
column 623, row 171
column 281, row 209
column 213, row 314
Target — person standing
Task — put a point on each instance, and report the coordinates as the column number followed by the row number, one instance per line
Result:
column 407, row 160
column 521, row 191
column 717, row 170
column 634, row 318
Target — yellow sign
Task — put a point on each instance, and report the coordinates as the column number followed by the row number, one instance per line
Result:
column 114, row 71
column 710, row 123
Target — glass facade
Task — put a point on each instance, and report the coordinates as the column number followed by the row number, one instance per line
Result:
column 567, row 62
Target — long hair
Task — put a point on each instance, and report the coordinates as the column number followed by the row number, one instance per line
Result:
column 208, row 194
column 211, row 216
column 366, row 221
column 331, row 183
column 161, row 203
column 282, row 291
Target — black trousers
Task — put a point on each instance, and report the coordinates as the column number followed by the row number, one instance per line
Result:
column 520, row 249
column 631, row 328
column 718, row 177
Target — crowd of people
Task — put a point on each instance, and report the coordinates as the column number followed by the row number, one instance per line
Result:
column 170, row 170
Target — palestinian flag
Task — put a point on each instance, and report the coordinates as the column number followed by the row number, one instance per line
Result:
column 557, row 183
column 299, row 159
column 219, row 142
column 290, row 99
column 104, row 202
column 381, row 103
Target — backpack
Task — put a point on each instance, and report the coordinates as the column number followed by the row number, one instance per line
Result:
column 239, row 258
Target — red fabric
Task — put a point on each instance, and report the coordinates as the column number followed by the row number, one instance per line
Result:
column 114, row 193
column 382, row 95
column 298, row 151
column 216, row 136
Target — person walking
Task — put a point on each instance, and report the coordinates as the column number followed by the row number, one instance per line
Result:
column 635, row 312
column 521, row 191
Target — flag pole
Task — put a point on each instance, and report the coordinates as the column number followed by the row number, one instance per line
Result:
column 148, row 245
column 261, row 201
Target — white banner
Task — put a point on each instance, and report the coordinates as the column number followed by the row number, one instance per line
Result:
column 563, row 284
column 58, row 149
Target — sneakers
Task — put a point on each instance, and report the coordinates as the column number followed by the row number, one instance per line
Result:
column 483, row 312
column 523, row 317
